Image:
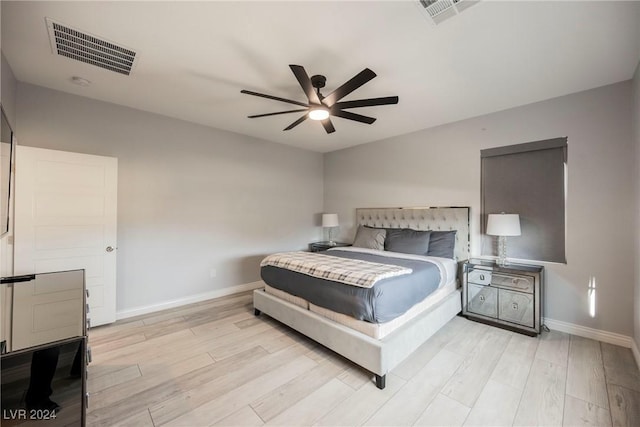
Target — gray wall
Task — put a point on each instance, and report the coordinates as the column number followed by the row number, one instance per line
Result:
column 8, row 85
column 636, row 127
column 441, row 167
column 190, row 198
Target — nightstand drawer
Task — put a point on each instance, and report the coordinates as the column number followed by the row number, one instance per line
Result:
column 516, row 307
column 479, row 277
column 519, row 283
column 482, row 300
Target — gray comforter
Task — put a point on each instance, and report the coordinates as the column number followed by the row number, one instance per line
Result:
column 386, row 300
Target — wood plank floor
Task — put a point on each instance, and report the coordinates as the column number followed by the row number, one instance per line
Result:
column 214, row 363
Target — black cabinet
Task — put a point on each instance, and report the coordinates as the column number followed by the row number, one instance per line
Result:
column 323, row 246
column 45, row 353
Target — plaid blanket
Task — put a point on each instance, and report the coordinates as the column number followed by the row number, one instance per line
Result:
column 353, row 272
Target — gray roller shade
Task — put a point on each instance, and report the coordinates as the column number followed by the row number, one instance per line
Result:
column 529, row 180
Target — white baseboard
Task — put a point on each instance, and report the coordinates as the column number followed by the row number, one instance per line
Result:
column 124, row 314
column 594, row 334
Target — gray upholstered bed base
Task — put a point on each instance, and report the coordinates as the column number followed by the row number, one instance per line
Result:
column 381, row 356
column 377, row 356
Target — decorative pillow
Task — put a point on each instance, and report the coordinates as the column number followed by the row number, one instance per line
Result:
column 370, row 238
column 407, row 241
column 442, row 244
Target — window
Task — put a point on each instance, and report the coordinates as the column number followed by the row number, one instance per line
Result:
column 529, row 180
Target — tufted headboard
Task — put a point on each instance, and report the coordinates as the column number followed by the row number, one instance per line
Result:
column 437, row 218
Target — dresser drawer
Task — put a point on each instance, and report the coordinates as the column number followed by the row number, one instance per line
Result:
column 479, row 277
column 519, row 283
column 482, row 300
column 516, row 307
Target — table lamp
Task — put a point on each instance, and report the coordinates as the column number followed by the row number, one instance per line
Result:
column 503, row 225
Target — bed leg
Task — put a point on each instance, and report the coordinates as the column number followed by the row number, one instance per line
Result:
column 380, row 381
column 256, row 312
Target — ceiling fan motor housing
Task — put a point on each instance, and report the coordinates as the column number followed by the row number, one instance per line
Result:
column 318, row 81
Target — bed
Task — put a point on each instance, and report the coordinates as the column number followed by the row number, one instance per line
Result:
column 379, row 336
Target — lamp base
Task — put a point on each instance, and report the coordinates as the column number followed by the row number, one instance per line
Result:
column 331, row 242
column 502, row 251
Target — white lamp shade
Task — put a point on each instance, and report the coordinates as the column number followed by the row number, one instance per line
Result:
column 503, row 225
column 330, row 220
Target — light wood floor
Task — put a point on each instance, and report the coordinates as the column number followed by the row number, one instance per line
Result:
column 214, row 363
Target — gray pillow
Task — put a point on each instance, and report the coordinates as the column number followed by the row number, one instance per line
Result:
column 441, row 244
column 407, row 241
column 370, row 238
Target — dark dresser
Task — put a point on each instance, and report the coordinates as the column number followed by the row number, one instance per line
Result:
column 44, row 349
column 323, row 246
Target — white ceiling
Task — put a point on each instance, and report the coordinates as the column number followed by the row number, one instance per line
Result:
column 195, row 57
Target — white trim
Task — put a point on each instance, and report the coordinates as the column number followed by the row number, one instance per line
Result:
column 595, row 334
column 636, row 352
column 124, row 314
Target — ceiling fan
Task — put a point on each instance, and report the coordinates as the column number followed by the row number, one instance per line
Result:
column 321, row 107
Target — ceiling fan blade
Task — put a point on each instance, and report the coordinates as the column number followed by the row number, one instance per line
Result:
column 353, row 116
column 328, row 126
column 305, row 83
column 296, row 123
column 366, row 102
column 275, row 98
column 361, row 78
column 275, row 114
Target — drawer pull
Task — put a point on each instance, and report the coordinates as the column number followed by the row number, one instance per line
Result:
column 514, row 306
column 479, row 277
column 481, row 297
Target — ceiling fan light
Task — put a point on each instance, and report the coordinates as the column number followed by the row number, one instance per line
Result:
column 319, row 113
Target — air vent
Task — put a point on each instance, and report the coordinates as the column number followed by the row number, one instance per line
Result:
column 439, row 10
column 90, row 49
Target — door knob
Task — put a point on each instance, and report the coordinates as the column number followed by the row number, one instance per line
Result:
column 109, row 248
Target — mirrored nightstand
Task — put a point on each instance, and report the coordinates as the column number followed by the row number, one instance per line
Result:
column 506, row 296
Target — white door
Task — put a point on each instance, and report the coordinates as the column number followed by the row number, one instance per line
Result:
column 65, row 219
